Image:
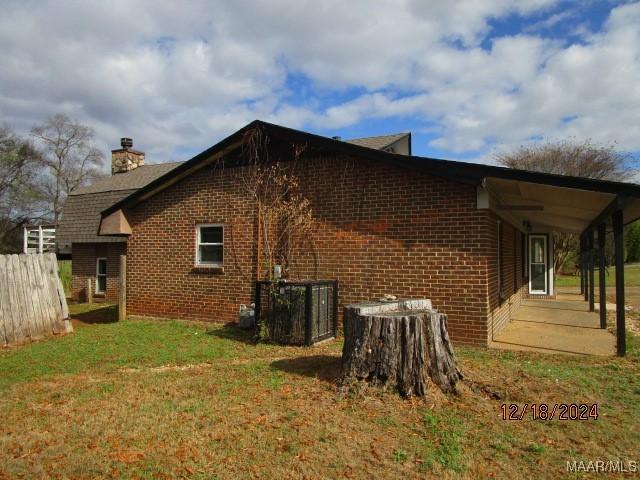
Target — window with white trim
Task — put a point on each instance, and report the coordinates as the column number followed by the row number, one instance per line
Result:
column 209, row 245
column 101, row 275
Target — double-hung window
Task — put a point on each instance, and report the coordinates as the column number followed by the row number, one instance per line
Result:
column 210, row 243
column 101, row 275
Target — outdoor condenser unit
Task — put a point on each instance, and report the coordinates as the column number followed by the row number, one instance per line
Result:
column 296, row 313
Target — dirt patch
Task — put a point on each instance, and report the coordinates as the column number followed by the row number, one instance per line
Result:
column 168, row 368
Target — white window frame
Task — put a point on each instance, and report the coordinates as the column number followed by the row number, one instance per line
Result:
column 198, row 244
column 546, row 264
column 101, row 274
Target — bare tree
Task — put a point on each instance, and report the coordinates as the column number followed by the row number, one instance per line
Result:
column 20, row 197
column 69, row 154
column 569, row 157
column 284, row 215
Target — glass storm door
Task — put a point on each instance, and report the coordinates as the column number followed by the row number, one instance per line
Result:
column 538, row 279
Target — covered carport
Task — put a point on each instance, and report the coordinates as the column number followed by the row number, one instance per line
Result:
column 542, row 204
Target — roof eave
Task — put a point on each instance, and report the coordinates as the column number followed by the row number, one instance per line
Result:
column 463, row 172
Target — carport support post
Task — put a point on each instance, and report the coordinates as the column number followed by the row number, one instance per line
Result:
column 602, row 236
column 592, row 293
column 581, row 261
column 618, row 240
column 585, row 266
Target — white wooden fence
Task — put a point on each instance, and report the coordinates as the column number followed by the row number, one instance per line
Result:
column 32, row 300
column 39, row 239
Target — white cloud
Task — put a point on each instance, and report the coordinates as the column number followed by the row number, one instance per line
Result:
column 550, row 21
column 528, row 87
column 176, row 75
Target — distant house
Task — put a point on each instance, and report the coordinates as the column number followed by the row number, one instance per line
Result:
column 473, row 238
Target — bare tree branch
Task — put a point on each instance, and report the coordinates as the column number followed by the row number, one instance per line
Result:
column 69, row 155
column 283, row 213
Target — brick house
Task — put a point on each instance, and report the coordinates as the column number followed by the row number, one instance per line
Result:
column 475, row 239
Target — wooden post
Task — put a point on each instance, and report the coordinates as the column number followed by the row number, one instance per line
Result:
column 602, row 235
column 592, row 293
column 89, row 291
column 122, row 301
column 618, row 240
column 40, row 240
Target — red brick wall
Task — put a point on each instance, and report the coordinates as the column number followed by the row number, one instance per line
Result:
column 500, row 311
column 83, row 266
column 378, row 230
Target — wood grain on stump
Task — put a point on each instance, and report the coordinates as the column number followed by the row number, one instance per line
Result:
column 403, row 344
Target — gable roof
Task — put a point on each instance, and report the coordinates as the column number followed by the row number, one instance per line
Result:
column 463, row 172
column 81, row 213
column 144, row 174
column 379, row 142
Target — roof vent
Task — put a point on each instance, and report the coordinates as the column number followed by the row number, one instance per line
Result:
column 337, row 137
column 126, row 142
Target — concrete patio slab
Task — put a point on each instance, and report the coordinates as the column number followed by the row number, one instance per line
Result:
column 563, row 325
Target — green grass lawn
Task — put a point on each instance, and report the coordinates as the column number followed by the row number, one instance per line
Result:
column 631, row 277
column 64, row 269
column 169, row 399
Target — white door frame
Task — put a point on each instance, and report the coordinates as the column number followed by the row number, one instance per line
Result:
column 546, row 263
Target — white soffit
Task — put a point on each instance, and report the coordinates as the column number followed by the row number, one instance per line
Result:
column 547, row 206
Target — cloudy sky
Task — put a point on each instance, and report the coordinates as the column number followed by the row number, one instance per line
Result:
column 466, row 77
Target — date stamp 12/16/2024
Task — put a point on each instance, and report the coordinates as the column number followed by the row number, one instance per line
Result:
column 547, row 411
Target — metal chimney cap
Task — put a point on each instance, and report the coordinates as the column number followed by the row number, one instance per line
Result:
column 126, row 142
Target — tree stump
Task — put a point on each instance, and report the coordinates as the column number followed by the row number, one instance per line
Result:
column 403, row 344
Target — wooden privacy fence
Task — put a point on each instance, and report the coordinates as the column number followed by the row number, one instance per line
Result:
column 32, row 300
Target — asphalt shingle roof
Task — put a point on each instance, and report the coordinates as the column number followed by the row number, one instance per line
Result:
column 81, row 214
column 132, row 180
column 81, row 217
column 379, row 142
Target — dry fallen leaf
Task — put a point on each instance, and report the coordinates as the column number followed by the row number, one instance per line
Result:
column 128, row 456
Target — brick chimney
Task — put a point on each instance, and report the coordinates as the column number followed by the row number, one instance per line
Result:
column 126, row 158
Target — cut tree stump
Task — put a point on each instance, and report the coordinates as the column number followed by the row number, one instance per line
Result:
column 403, row 344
